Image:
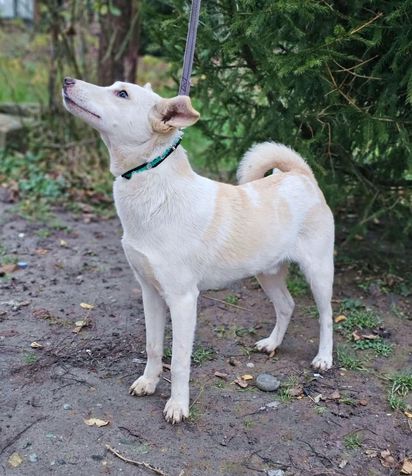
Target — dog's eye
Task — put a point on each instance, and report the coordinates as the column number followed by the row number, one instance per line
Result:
column 123, row 94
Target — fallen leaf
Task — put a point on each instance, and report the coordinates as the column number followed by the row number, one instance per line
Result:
column 363, row 402
column 221, row 375
column 340, row 318
column 41, row 313
column 335, row 395
column 79, row 326
column 8, row 268
column 96, row 422
column 272, row 354
column 356, row 336
column 241, row 383
column 295, row 391
column 247, row 377
column 36, row 345
column 317, row 398
column 233, row 362
column 370, row 336
column 386, row 459
column 41, row 251
column 84, row 305
column 408, row 414
column 406, row 466
column 15, row 460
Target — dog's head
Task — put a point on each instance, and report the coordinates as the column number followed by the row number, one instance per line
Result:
column 127, row 114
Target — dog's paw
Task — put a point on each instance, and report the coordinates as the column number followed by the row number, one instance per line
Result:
column 175, row 411
column 266, row 345
column 322, row 362
column 143, row 386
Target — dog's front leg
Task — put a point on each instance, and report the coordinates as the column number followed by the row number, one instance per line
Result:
column 155, row 317
column 183, row 314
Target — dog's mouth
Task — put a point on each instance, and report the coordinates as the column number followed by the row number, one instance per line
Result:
column 70, row 102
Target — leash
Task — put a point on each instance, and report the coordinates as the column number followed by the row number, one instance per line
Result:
column 184, row 87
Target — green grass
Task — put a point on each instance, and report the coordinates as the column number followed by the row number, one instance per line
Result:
column 296, row 282
column 360, row 318
column 401, row 385
column 379, row 346
column 348, row 359
column 202, row 354
column 231, row 299
column 30, row 358
column 352, row 441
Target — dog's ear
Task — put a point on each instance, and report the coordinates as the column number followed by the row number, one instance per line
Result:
column 173, row 113
column 148, row 86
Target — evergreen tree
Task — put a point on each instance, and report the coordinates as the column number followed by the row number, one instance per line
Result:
column 332, row 79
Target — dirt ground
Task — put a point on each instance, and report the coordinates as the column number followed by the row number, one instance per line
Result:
column 47, row 393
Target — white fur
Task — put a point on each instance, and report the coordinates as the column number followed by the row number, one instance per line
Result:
column 184, row 233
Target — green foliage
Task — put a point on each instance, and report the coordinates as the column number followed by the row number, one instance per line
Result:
column 327, row 78
column 352, row 441
column 348, row 359
column 401, row 385
column 379, row 346
column 202, row 354
column 360, row 319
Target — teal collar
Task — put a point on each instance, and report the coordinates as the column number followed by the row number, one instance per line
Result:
column 155, row 162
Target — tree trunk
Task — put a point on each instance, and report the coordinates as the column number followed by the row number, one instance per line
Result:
column 119, row 42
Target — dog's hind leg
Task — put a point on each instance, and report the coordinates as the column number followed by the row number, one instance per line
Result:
column 318, row 270
column 275, row 288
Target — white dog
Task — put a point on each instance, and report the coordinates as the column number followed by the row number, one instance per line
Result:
column 184, row 233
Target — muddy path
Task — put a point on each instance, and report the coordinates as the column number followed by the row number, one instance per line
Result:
column 338, row 423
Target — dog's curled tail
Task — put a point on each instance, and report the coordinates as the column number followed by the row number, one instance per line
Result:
column 269, row 155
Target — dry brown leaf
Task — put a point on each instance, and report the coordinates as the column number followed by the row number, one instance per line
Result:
column 8, row 268
column 340, row 318
column 335, row 395
column 406, row 466
column 240, row 382
column 41, row 251
column 386, row 459
column 96, row 422
column 15, row 460
column 295, row 391
column 247, row 377
column 84, row 305
column 408, row 414
column 221, row 375
column 356, row 336
column 370, row 336
column 79, row 326
column 36, row 345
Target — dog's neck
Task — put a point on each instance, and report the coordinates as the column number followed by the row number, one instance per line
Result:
column 124, row 158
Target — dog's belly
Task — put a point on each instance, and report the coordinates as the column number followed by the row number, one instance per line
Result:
column 220, row 277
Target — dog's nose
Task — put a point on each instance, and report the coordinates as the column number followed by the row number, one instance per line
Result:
column 68, row 81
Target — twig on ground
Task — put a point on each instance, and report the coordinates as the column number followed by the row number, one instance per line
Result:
column 15, row 438
column 227, row 303
column 137, row 463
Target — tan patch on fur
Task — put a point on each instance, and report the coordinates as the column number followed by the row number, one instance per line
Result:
column 250, row 223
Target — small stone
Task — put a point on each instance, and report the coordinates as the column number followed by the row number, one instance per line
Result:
column 22, row 264
column 250, row 365
column 21, row 235
column 275, row 472
column 233, row 362
column 67, row 406
column 267, row 383
column 33, row 458
column 274, row 404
